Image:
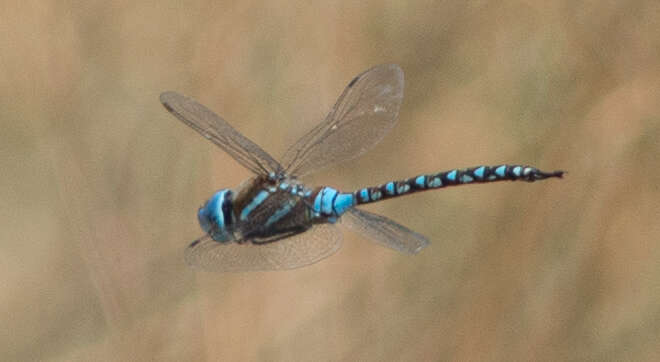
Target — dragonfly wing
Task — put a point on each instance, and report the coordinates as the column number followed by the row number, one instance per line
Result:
column 364, row 113
column 295, row 251
column 385, row 231
column 218, row 131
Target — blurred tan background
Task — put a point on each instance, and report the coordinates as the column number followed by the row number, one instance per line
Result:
column 100, row 185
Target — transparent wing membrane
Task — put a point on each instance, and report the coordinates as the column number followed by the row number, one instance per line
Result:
column 363, row 114
column 218, row 131
column 385, row 231
column 295, row 251
column 365, row 111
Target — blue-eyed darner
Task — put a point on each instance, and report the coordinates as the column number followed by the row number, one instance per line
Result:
column 273, row 221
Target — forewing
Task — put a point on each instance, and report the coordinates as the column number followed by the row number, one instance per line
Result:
column 385, row 231
column 295, row 251
column 218, row 131
column 364, row 113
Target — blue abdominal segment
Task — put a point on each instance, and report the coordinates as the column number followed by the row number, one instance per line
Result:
column 389, row 188
column 420, row 181
column 343, row 202
column 479, row 172
column 500, row 171
column 517, row 170
column 364, row 195
column 327, row 198
column 466, row 179
column 331, row 203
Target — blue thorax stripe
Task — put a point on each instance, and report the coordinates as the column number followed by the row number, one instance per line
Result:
column 256, row 201
column 280, row 213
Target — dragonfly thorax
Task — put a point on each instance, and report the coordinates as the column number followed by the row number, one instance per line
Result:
column 217, row 217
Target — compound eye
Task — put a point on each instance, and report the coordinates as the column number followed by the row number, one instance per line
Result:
column 204, row 218
column 227, row 208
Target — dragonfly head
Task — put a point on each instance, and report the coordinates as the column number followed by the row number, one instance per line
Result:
column 216, row 217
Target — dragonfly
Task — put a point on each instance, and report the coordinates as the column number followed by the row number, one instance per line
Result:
column 273, row 221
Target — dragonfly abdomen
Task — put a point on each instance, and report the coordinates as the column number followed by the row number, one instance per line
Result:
column 480, row 174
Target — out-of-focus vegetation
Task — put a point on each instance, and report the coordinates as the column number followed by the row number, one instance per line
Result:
column 100, row 185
